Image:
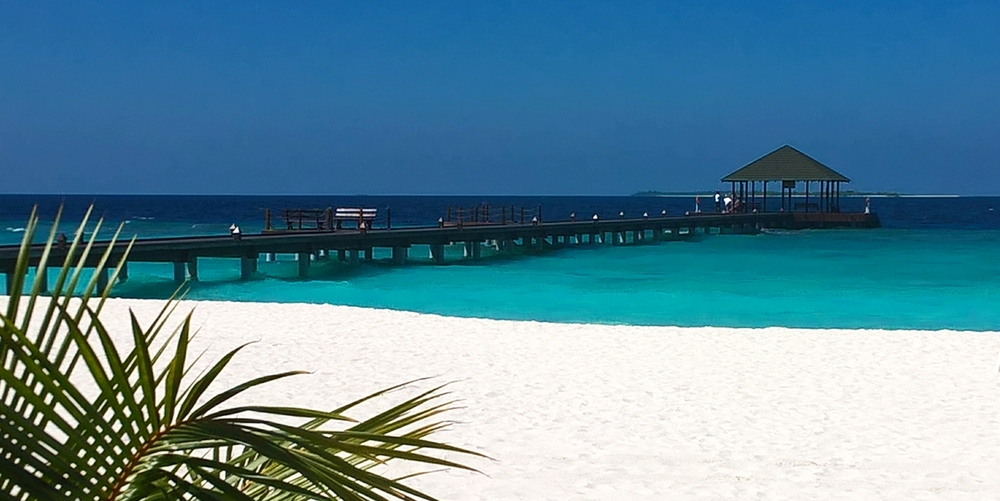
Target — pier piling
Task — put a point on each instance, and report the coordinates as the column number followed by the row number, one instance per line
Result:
column 102, row 280
column 399, row 254
column 179, row 274
column 248, row 266
column 437, row 253
column 123, row 272
column 303, row 264
column 192, row 266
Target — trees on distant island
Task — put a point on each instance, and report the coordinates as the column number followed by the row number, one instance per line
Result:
column 845, row 193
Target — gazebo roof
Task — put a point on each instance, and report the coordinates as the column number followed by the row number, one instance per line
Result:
column 786, row 164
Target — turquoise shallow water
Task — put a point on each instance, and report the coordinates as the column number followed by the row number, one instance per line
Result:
column 898, row 279
column 935, row 266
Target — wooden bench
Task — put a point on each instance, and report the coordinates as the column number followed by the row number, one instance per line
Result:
column 356, row 215
column 305, row 219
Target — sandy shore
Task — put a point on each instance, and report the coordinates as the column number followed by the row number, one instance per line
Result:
column 614, row 412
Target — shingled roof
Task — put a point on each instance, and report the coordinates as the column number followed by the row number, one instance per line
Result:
column 785, row 164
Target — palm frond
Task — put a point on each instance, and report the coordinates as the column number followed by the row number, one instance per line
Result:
column 146, row 430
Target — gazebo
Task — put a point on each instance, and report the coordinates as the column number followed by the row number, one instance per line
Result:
column 789, row 166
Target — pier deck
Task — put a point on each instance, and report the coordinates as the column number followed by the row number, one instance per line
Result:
column 351, row 244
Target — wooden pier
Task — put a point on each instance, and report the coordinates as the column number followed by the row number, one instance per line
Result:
column 357, row 245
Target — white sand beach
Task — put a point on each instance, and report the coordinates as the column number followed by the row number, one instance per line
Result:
column 577, row 412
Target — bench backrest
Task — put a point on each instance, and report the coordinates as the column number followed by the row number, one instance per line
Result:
column 354, row 213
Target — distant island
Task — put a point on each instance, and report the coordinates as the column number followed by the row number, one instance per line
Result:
column 845, row 193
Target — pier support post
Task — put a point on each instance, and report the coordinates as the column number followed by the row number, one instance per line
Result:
column 437, row 253
column 192, row 266
column 657, row 234
column 303, row 264
column 477, row 250
column 102, row 280
column 179, row 275
column 42, row 275
column 369, row 254
column 123, row 272
column 399, row 254
column 248, row 266
column 9, row 281
column 269, row 257
column 354, row 256
column 341, row 255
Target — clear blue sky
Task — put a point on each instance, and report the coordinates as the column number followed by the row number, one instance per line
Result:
column 492, row 97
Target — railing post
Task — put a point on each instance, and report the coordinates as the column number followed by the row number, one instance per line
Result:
column 267, row 219
column 503, row 214
column 388, row 218
column 522, row 214
column 539, row 213
column 448, row 215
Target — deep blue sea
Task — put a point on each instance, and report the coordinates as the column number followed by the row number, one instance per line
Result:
column 934, row 265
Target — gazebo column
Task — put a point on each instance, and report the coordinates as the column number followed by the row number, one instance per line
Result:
column 764, row 205
column 807, row 196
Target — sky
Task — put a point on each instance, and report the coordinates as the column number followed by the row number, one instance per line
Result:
column 514, row 97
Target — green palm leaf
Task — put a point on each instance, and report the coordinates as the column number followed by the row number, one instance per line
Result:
column 149, row 431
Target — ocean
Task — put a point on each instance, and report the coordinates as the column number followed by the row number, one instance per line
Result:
column 935, row 264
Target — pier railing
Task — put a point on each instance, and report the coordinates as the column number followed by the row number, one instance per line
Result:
column 486, row 214
column 329, row 219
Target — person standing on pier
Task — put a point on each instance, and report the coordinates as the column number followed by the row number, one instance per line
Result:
column 235, row 232
column 718, row 197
